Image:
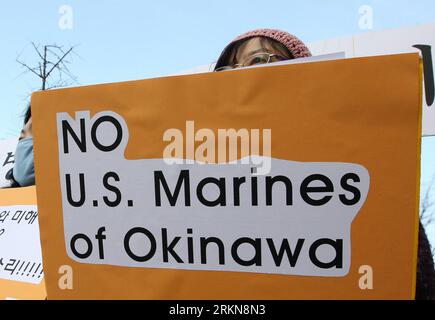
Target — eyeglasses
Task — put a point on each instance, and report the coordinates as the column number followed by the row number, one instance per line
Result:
column 259, row 58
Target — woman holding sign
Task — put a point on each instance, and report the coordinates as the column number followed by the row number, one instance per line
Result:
column 263, row 46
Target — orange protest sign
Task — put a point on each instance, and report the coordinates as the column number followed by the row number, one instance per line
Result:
column 287, row 182
column 21, row 272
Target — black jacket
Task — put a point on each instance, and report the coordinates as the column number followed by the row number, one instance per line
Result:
column 425, row 269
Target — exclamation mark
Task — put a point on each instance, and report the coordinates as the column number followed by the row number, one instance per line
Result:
column 21, row 266
column 25, row 268
column 36, row 270
column 30, row 269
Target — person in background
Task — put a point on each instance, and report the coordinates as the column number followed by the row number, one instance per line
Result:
column 23, row 172
column 268, row 45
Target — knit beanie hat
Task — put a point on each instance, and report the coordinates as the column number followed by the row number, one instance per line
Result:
column 296, row 47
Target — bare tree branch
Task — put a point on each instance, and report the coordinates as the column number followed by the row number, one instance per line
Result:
column 55, row 66
column 37, row 50
column 51, row 58
column 28, row 68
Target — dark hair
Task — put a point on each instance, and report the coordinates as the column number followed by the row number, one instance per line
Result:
column 228, row 55
column 27, row 114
